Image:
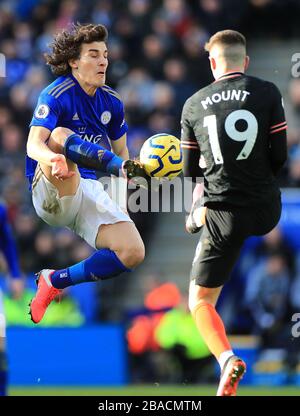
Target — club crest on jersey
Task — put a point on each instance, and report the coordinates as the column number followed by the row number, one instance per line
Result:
column 105, row 117
column 42, row 111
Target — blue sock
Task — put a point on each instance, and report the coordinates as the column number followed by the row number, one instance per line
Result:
column 103, row 264
column 91, row 155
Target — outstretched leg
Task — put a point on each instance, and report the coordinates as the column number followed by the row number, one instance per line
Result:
column 119, row 244
column 202, row 301
column 120, row 249
column 91, row 155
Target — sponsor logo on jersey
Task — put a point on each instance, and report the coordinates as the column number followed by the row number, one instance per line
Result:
column 42, row 111
column 91, row 138
column 105, row 117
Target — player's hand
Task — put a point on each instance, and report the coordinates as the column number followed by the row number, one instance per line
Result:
column 202, row 215
column 60, row 169
column 197, row 216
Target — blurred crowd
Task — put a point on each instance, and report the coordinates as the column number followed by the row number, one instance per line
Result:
column 156, row 60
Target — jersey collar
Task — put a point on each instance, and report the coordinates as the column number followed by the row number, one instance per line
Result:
column 228, row 75
column 80, row 87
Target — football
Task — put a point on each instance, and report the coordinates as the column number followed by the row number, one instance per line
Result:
column 161, row 156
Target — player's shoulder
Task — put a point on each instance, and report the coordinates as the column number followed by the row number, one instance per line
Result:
column 189, row 102
column 260, row 82
column 191, row 105
column 263, row 89
column 111, row 93
column 58, row 87
column 199, row 94
column 246, row 81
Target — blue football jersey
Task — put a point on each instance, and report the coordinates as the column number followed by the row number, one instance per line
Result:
column 94, row 118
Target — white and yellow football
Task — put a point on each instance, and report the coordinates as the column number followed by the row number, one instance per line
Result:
column 161, row 156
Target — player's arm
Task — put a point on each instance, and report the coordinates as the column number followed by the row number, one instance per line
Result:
column 277, row 134
column 44, row 120
column 190, row 147
column 119, row 184
column 117, row 130
column 37, row 148
column 191, row 159
column 119, row 147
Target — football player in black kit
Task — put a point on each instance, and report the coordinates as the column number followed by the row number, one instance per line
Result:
column 234, row 135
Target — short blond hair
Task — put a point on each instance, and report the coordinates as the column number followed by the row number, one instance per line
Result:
column 226, row 38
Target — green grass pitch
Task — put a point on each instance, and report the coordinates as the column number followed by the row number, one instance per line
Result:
column 150, row 390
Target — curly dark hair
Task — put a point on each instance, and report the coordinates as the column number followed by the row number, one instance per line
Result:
column 67, row 45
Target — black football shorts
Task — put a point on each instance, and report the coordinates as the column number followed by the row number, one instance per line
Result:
column 223, row 235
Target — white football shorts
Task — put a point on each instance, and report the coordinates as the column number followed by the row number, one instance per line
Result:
column 83, row 212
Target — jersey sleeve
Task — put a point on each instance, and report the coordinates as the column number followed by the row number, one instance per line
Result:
column 117, row 126
column 47, row 112
column 277, row 121
column 188, row 138
column 189, row 146
column 278, row 126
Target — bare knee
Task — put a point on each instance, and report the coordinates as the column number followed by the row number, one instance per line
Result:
column 58, row 138
column 131, row 255
column 124, row 239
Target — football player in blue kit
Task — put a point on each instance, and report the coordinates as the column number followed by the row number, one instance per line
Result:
column 73, row 114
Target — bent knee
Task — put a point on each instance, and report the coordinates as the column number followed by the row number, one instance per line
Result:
column 61, row 133
column 58, row 137
column 195, row 302
column 132, row 256
column 202, row 295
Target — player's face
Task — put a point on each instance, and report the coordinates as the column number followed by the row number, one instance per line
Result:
column 92, row 64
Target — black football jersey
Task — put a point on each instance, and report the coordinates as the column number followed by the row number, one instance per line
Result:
column 233, row 122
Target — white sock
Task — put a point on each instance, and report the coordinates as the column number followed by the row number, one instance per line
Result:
column 224, row 357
